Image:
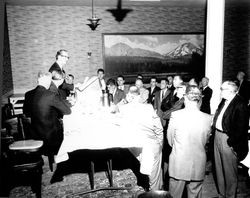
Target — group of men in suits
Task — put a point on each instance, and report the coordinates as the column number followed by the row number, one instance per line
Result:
column 182, row 116
column 177, row 105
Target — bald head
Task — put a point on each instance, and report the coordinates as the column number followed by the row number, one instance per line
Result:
column 133, row 94
column 44, row 79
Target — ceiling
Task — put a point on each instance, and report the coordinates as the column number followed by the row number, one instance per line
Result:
column 107, row 2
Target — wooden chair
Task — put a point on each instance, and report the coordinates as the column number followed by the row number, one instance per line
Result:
column 25, row 130
column 25, row 165
column 16, row 101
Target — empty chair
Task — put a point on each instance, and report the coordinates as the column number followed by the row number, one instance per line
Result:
column 25, row 165
column 25, row 132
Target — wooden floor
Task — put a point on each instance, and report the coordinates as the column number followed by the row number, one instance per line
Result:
column 80, row 182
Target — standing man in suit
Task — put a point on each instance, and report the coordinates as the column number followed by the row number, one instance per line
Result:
column 231, row 121
column 187, row 134
column 115, row 95
column 159, row 96
column 170, row 83
column 172, row 98
column 206, row 96
column 121, row 85
column 176, row 105
column 152, row 90
column 102, row 83
column 244, row 86
column 62, row 57
column 44, row 108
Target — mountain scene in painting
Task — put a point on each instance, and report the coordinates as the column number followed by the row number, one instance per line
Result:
column 128, row 59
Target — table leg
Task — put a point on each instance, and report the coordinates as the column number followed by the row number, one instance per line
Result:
column 91, row 175
column 109, row 172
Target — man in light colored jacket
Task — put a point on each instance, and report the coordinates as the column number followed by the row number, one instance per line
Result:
column 187, row 134
column 143, row 120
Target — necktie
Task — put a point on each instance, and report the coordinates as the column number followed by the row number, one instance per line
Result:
column 111, row 98
column 217, row 113
column 162, row 95
column 100, row 83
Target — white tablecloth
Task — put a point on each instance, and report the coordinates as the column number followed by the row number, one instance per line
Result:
column 100, row 130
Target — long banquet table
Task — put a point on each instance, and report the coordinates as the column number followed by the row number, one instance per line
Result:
column 88, row 132
column 96, row 131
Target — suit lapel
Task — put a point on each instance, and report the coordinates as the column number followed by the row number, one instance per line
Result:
column 229, row 110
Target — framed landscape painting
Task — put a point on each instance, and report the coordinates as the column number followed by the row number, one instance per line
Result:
column 154, row 54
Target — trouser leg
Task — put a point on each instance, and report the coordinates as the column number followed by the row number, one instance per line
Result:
column 176, row 187
column 226, row 166
column 156, row 180
column 194, row 189
column 220, row 180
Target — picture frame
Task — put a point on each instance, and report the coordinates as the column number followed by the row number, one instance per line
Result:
column 154, row 54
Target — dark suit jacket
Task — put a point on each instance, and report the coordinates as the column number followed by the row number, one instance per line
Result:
column 157, row 100
column 169, row 101
column 179, row 104
column 151, row 96
column 244, row 90
column 235, row 122
column 125, row 88
column 157, row 104
column 44, row 108
column 205, row 104
column 64, row 88
column 119, row 95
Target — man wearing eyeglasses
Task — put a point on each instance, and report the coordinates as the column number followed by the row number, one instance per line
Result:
column 62, row 57
column 231, row 138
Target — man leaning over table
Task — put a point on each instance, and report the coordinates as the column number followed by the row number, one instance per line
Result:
column 143, row 117
column 45, row 107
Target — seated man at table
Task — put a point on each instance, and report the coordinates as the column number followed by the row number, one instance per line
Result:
column 143, row 117
column 121, row 84
column 143, row 91
column 44, row 108
column 115, row 95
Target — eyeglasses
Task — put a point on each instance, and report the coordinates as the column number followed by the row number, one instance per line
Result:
column 222, row 89
column 64, row 56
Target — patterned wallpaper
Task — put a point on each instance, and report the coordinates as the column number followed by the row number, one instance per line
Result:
column 7, row 74
column 37, row 32
column 236, row 39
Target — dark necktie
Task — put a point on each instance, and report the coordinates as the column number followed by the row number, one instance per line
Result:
column 162, row 95
column 217, row 113
column 111, row 98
